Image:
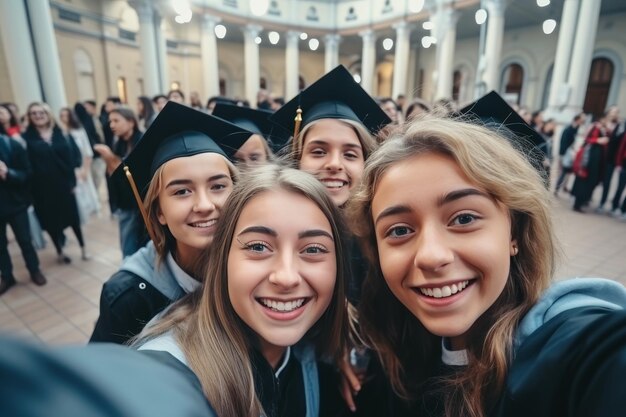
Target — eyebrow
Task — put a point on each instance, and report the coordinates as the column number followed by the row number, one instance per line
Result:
column 324, row 142
column 445, row 199
column 188, row 181
column 268, row 231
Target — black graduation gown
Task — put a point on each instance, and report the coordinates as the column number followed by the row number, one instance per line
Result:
column 14, row 190
column 127, row 304
column 53, row 180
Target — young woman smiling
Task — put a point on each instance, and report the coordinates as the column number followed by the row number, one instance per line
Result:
column 183, row 163
column 459, row 301
column 272, row 303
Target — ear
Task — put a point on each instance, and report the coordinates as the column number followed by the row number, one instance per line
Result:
column 514, row 248
column 161, row 217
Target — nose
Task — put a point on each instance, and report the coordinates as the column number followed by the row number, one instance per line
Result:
column 433, row 251
column 203, row 202
column 334, row 162
column 285, row 274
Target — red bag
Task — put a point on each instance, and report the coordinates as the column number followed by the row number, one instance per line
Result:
column 581, row 161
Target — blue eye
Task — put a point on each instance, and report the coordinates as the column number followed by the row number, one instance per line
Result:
column 399, row 231
column 315, row 249
column 256, row 247
column 464, row 219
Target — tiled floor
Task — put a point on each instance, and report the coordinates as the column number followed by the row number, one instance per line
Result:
column 64, row 310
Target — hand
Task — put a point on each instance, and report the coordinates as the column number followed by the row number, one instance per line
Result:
column 104, row 151
column 4, row 170
column 603, row 140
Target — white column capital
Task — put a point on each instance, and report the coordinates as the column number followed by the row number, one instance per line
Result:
column 145, row 10
column 402, row 26
column 292, row 35
column 495, row 7
column 332, row 39
column 209, row 22
column 368, row 35
column 252, row 31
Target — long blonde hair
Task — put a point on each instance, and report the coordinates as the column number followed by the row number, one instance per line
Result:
column 213, row 338
column 407, row 350
column 163, row 239
column 368, row 143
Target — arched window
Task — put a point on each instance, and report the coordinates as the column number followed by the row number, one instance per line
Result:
column 512, row 82
column 222, row 87
column 84, row 75
column 121, row 90
column 599, row 86
column 263, row 83
column 457, row 79
column 301, row 83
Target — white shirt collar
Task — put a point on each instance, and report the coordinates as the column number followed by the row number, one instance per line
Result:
column 184, row 280
column 453, row 357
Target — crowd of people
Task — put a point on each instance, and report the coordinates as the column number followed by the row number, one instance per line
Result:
column 340, row 255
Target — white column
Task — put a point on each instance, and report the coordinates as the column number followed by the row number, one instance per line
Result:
column 331, row 51
column 210, row 67
column 368, row 60
column 493, row 43
column 164, row 75
column 582, row 53
column 19, row 50
column 47, row 54
column 401, row 62
column 251, row 61
column 291, row 64
column 445, row 33
column 147, row 46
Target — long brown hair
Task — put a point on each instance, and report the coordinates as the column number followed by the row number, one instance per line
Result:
column 212, row 336
column 407, row 350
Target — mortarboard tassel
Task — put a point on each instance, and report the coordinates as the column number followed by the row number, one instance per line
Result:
column 298, row 121
column 142, row 209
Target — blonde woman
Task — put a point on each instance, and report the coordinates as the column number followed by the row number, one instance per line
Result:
column 459, row 301
column 272, row 301
column 182, row 170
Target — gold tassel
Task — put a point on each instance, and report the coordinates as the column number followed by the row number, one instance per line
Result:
column 142, row 210
column 298, row 121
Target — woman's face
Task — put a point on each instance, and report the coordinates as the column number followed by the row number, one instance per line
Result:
column 194, row 189
column 64, row 117
column 121, row 127
column 38, row 116
column 139, row 107
column 333, row 153
column 5, row 115
column 281, row 268
column 444, row 244
column 252, row 152
column 177, row 97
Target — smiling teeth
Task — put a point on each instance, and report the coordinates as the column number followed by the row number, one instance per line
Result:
column 283, row 307
column 208, row 223
column 445, row 291
column 334, row 184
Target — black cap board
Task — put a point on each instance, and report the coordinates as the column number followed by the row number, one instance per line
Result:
column 179, row 131
column 255, row 120
column 497, row 114
column 334, row 96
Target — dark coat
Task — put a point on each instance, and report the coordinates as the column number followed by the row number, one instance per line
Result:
column 53, row 179
column 127, row 304
column 15, row 189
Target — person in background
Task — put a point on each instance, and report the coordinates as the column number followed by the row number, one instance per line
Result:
column 145, row 112
column 615, row 130
column 85, row 191
column 391, row 109
column 53, row 158
column 9, row 122
column 15, row 173
column 619, row 133
column 86, row 113
column 536, row 120
column 401, row 102
column 277, row 103
column 567, row 152
column 417, row 107
column 195, row 102
column 159, row 102
column 126, row 128
column 176, row 96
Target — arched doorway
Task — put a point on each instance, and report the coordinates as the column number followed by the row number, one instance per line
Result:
column 84, row 75
column 513, row 82
column 599, row 85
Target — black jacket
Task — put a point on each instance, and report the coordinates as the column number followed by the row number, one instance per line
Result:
column 15, row 188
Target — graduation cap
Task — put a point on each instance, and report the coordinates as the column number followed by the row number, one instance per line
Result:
column 497, row 114
column 334, row 96
column 253, row 120
column 178, row 131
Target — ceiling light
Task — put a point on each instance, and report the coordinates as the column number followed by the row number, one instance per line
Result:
column 259, row 7
column 314, row 44
column 427, row 41
column 388, row 44
column 220, row 31
column 480, row 16
column 258, row 40
column 543, row 3
column 274, row 37
column 548, row 26
column 416, row 6
column 303, row 36
column 428, row 25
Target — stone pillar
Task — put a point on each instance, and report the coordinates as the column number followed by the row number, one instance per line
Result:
column 401, row 62
column 493, row 43
column 368, row 60
column 21, row 56
column 148, row 47
column 331, row 51
column 164, row 74
column 291, row 64
column 47, row 54
column 251, row 62
column 582, row 54
column 210, row 66
column 445, row 33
